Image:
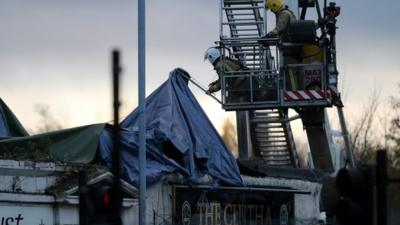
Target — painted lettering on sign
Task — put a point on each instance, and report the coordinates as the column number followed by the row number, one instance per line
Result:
column 313, row 72
column 232, row 214
column 11, row 220
column 231, row 207
column 312, row 75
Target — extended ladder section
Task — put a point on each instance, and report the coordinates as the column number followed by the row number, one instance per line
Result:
column 242, row 25
column 271, row 132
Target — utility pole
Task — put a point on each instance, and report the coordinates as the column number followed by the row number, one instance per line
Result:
column 116, row 196
column 142, row 109
column 381, row 186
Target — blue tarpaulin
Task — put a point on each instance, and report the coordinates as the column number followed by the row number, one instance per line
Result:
column 180, row 138
column 9, row 124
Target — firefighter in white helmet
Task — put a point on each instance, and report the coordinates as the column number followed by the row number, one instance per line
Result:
column 213, row 55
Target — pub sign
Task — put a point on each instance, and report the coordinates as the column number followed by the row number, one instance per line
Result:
column 232, row 206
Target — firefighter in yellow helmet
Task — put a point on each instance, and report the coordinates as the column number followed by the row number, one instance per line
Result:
column 283, row 18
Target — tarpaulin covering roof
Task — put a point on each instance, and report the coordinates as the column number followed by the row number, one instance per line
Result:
column 179, row 137
column 74, row 145
column 9, row 124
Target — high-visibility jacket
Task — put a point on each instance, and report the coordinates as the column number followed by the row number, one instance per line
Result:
column 283, row 18
column 227, row 65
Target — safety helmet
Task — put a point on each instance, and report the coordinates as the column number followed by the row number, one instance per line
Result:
column 212, row 54
column 274, row 5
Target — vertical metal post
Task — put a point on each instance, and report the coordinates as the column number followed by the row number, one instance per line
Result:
column 381, row 187
column 116, row 155
column 221, row 27
column 83, row 217
column 243, row 135
column 142, row 109
column 265, row 23
column 346, row 137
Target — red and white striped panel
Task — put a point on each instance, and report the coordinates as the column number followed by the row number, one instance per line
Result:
column 305, row 95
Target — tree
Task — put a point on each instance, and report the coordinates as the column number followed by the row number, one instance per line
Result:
column 361, row 136
column 46, row 122
column 393, row 137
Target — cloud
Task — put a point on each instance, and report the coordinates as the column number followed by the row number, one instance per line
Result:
column 57, row 52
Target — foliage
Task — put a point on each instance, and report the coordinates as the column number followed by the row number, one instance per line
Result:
column 35, row 150
column 46, row 122
column 361, row 135
column 393, row 137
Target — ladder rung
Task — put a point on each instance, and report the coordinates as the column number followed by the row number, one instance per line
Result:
column 242, row 23
column 265, row 121
column 239, row 14
column 273, row 156
column 252, row 47
column 277, row 154
column 247, row 53
column 258, row 135
column 276, row 157
column 269, row 126
column 272, row 131
column 265, row 124
column 243, row 19
column 246, row 35
column 277, row 161
column 263, row 135
column 269, row 141
column 270, row 116
column 244, row 29
column 284, row 165
column 274, row 148
column 273, row 152
column 265, row 145
column 243, row 1
column 242, row 8
column 278, row 164
column 266, row 135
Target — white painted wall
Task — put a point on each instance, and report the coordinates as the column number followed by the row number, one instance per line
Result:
column 30, row 214
column 24, row 201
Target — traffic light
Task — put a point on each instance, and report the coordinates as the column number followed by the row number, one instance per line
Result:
column 98, row 203
column 99, row 206
column 355, row 187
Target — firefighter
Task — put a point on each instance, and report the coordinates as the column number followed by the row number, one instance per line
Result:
column 227, row 64
column 213, row 55
column 283, row 18
column 291, row 55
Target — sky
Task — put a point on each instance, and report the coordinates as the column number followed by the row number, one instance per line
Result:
column 57, row 53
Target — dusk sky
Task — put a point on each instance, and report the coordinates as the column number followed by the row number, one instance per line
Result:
column 56, row 52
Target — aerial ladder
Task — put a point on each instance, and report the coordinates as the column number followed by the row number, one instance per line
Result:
column 267, row 90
